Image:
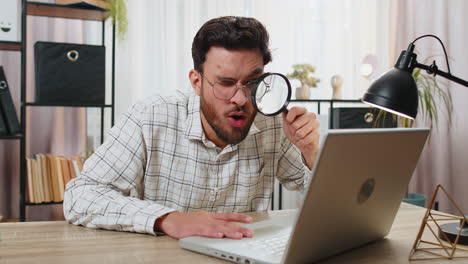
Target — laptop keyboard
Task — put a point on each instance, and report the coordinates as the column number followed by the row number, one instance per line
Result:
column 274, row 245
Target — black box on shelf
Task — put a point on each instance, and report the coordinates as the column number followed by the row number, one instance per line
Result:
column 7, row 107
column 3, row 128
column 69, row 73
column 359, row 117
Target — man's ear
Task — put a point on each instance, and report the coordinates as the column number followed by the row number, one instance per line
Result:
column 195, row 81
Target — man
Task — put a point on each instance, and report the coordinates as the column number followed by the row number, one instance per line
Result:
column 187, row 164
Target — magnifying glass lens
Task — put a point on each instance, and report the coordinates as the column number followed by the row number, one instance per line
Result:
column 272, row 94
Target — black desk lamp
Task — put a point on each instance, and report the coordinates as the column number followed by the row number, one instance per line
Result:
column 396, row 91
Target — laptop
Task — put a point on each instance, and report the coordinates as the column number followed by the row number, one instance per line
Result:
column 358, row 181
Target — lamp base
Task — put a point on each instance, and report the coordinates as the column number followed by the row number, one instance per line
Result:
column 451, row 231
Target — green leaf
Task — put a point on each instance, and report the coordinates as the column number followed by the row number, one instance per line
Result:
column 118, row 12
column 431, row 93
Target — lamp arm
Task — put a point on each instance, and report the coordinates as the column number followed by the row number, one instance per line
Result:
column 433, row 69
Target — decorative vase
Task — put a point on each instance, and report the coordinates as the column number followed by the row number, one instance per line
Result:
column 303, row 93
column 336, row 83
column 416, row 199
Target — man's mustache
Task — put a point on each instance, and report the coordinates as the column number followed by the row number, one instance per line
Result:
column 238, row 109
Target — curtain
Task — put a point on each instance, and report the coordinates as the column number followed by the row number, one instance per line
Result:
column 334, row 36
column 444, row 159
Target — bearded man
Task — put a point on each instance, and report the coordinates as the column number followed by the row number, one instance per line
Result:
column 190, row 163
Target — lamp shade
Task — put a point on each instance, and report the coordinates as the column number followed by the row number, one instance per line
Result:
column 396, row 92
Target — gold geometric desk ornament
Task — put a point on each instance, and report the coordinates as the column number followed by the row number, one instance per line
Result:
column 443, row 249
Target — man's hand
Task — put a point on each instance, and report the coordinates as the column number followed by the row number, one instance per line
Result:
column 206, row 224
column 302, row 129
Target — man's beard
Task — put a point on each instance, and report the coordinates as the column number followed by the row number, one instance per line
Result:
column 228, row 134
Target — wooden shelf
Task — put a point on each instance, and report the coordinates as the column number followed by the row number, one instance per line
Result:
column 68, row 105
column 9, row 45
column 15, row 136
column 48, row 203
column 61, row 11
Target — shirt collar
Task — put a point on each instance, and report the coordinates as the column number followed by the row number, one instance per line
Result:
column 194, row 128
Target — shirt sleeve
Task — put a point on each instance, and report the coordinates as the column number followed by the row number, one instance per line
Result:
column 293, row 172
column 100, row 196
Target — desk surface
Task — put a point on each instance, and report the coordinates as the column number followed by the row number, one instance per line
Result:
column 60, row 242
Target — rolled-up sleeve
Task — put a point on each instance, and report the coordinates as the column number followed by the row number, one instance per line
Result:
column 100, row 196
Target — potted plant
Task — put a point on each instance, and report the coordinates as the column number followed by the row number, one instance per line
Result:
column 118, row 12
column 429, row 89
column 303, row 73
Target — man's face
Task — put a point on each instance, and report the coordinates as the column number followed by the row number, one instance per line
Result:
column 228, row 121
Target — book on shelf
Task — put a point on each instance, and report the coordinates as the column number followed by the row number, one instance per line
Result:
column 38, row 188
column 79, row 162
column 54, row 178
column 71, row 169
column 40, row 180
column 47, row 176
column 65, row 170
column 30, row 184
column 60, row 182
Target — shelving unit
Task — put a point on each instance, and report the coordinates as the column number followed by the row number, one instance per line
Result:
column 15, row 136
column 10, row 45
column 53, row 11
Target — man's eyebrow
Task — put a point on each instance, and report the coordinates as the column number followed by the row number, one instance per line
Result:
column 255, row 72
column 252, row 74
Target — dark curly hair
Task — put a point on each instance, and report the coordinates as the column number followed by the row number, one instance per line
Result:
column 230, row 32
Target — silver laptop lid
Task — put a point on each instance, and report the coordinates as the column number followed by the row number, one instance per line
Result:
column 359, row 179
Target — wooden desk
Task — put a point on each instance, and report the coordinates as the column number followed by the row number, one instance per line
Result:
column 60, row 242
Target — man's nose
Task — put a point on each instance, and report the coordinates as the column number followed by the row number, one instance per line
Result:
column 240, row 97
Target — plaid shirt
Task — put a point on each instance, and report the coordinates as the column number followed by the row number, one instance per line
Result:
column 157, row 160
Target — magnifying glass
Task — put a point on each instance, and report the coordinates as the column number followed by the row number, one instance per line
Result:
column 272, row 94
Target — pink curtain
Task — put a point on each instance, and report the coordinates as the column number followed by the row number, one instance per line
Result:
column 445, row 158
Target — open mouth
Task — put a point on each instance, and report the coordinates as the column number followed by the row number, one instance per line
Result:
column 237, row 119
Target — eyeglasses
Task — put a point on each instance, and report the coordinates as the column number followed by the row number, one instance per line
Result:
column 225, row 90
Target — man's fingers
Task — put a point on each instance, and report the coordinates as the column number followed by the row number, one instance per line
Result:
column 294, row 112
column 224, row 229
column 305, row 131
column 246, row 232
column 231, row 227
column 209, row 231
column 235, row 217
column 206, row 224
column 235, row 231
